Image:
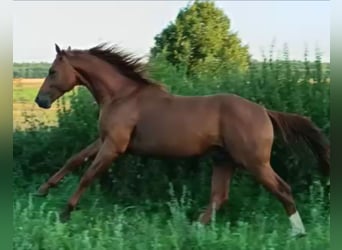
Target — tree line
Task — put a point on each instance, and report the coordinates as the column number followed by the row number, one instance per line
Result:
column 40, row 70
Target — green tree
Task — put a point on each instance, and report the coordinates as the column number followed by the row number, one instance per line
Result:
column 200, row 39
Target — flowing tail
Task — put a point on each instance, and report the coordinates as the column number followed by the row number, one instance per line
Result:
column 294, row 128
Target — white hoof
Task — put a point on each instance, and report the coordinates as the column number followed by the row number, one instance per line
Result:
column 298, row 229
column 296, row 233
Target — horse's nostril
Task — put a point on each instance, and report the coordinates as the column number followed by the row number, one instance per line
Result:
column 43, row 102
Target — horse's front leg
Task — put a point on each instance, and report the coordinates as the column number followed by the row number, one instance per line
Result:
column 72, row 163
column 107, row 153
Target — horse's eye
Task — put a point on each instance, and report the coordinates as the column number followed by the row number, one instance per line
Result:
column 52, row 72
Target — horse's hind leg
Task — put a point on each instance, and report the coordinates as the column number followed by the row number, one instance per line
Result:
column 220, row 182
column 277, row 186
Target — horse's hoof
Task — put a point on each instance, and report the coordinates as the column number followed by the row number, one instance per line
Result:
column 203, row 219
column 64, row 216
column 301, row 235
column 298, row 235
column 40, row 193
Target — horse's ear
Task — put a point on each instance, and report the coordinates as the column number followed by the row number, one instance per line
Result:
column 69, row 48
column 58, row 50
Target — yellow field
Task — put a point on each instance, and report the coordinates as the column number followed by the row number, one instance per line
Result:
column 25, row 111
column 28, row 81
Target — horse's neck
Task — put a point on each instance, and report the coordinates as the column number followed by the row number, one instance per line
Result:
column 104, row 82
column 153, row 93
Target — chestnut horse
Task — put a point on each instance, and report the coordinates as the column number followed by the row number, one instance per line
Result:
column 139, row 116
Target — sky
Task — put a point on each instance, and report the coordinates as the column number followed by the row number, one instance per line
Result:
column 38, row 25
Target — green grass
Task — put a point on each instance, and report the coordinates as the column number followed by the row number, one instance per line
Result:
column 100, row 224
column 22, row 94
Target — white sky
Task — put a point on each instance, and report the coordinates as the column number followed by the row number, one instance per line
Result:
column 38, row 25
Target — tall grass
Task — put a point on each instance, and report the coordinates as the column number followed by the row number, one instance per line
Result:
column 107, row 226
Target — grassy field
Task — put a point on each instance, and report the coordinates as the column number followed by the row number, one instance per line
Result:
column 102, row 225
column 26, row 113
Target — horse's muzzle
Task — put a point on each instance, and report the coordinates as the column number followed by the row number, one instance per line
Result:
column 43, row 101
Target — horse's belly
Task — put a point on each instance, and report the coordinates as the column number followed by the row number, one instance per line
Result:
column 178, row 144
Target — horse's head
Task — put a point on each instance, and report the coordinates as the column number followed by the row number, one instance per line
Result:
column 62, row 78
